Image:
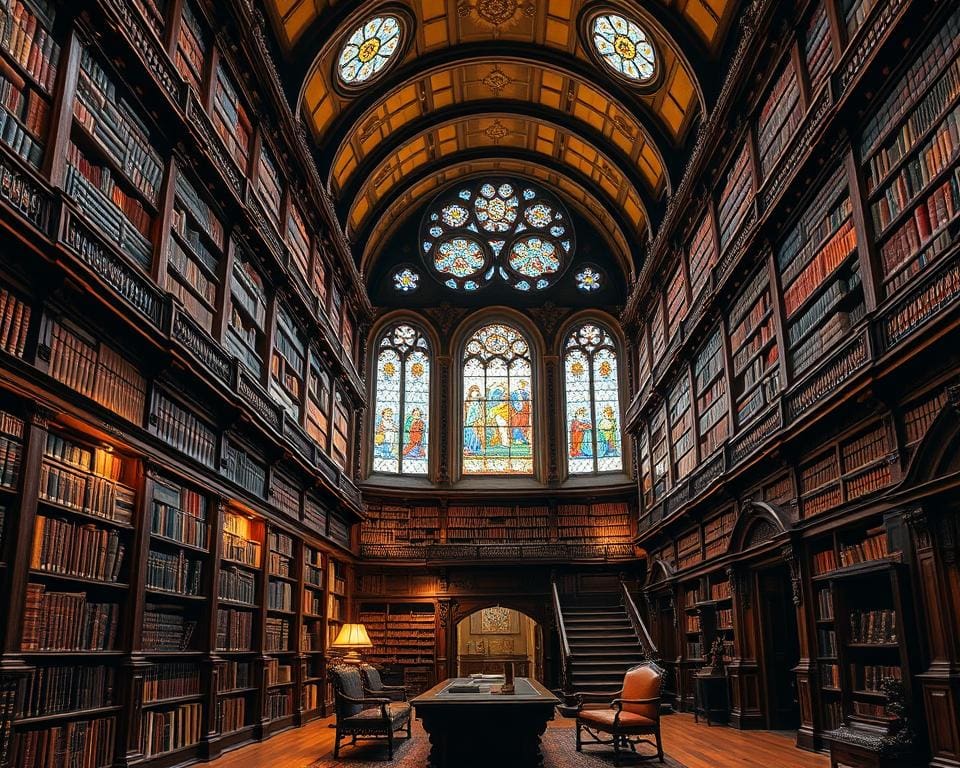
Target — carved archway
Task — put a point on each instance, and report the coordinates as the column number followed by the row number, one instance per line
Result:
column 538, row 612
column 759, row 524
column 938, row 454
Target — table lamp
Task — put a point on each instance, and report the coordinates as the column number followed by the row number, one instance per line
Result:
column 350, row 638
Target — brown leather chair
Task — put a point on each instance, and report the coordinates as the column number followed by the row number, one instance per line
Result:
column 633, row 712
column 360, row 716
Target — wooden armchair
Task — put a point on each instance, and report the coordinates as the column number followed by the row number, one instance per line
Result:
column 373, row 684
column 362, row 716
column 633, row 712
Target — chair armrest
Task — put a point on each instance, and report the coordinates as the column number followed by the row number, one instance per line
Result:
column 365, row 700
column 391, row 691
column 618, row 703
column 600, row 698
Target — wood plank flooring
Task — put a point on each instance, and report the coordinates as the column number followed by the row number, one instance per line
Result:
column 694, row 745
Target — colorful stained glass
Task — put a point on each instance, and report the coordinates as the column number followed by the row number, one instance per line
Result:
column 539, row 215
column 459, row 257
column 497, row 403
column 588, row 279
column 592, row 402
column 479, row 233
column 624, row 47
column 533, row 256
column 369, row 49
column 406, row 280
column 402, row 403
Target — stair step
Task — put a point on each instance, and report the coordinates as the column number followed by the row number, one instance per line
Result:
column 590, row 621
column 615, row 664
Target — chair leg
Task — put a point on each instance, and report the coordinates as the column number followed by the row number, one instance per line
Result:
column 336, row 745
column 616, row 750
column 579, row 741
column 409, row 727
column 659, row 745
column 390, row 743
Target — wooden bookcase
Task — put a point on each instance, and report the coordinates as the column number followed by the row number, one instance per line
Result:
column 404, row 637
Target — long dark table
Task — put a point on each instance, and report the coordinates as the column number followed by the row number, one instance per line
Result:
column 469, row 730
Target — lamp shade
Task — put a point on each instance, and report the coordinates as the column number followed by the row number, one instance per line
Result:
column 352, row 636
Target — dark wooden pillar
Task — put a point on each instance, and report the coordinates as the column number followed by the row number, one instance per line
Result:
column 743, row 670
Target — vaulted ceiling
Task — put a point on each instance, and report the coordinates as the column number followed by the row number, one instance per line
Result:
column 501, row 85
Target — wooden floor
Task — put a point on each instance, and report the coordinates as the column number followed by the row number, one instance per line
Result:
column 694, row 745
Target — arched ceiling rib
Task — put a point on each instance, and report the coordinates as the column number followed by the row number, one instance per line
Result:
column 499, row 133
column 413, row 195
column 478, row 86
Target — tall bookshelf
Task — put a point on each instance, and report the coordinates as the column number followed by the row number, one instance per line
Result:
column 337, row 607
column 401, row 524
column 247, row 324
column 909, row 149
column 676, row 301
column 281, row 643
column 114, row 170
column 29, row 60
column 818, row 47
column 269, row 184
column 231, row 119
column 710, row 389
column 299, row 240
column 77, row 598
column 701, row 254
column 862, row 619
column 318, row 400
column 780, row 116
column 239, row 622
column 195, row 251
column 193, row 44
column 820, row 274
column 175, row 614
column 683, row 442
column 755, row 355
column 594, row 523
column 313, row 634
column 481, row 524
column 659, row 453
column 404, row 642
column 288, row 364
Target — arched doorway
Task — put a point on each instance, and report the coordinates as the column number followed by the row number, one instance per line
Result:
column 489, row 637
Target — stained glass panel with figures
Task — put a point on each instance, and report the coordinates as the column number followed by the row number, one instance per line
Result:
column 592, row 402
column 497, row 403
column 401, row 403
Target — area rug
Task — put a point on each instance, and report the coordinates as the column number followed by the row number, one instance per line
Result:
column 559, row 751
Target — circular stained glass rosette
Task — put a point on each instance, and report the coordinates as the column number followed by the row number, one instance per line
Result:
column 454, row 215
column 369, row 49
column 534, row 257
column 624, row 47
column 539, row 215
column 588, row 280
column 459, row 257
column 406, row 280
column 496, row 209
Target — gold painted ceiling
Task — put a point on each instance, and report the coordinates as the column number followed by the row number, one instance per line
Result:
column 499, row 84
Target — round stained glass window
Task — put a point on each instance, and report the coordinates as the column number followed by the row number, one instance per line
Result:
column 624, row 47
column 496, row 230
column 369, row 49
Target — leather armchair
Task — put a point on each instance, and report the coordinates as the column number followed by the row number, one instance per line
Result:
column 633, row 712
column 373, row 684
column 362, row 716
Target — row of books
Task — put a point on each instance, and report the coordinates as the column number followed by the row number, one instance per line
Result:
column 200, row 213
column 938, row 153
column 873, row 676
column 828, row 642
column 237, row 585
column 176, row 728
column 865, row 449
column 942, row 49
column 277, row 634
column 779, row 118
column 232, row 675
column 725, row 618
column 280, row 596
column 244, row 470
column 191, row 48
column 298, row 240
column 278, row 673
column 869, row 480
column 930, row 217
column 812, row 349
column 821, row 501
column 234, row 629
column 24, row 117
column 279, row 704
column 736, row 197
column 819, row 220
column 86, row 743
column 676, row 301
column 870, row 709
column 694, row 650
column 181, row 429
column 230, row 118
column 285, row 496
column 826, row 302
column 52, row 690
column 68, row 548
column 692, row 623
column 927, row 302
column 269, row 184
column 177, row 513
column 25, row 38
column 855, row 13
column 278, row 565
column 166, row 629
column 174, row 572
column 825, row 603
column 830, row 675
column 751, row 319
column 14, row 323
column 818, row 48
column 11, row 453
column 100, row 463
column 171, row 680
column 720, row 590
column 116, row 128
column 280, row 543
column 702, row 255
column 85, row 493
column 834, row 252
column 65, row 621
column 231, row 714
column 312, row 602
column 873, row 626
column 824, row 561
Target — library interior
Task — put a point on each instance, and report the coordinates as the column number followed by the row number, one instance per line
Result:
column 470, row 383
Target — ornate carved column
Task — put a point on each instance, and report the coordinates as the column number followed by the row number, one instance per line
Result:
column 743, row 669
column 551, row 374
column 442, row 418
column 935, row 540
column 447, row 608
column 806, row 669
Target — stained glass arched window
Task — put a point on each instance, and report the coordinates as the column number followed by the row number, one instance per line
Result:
column 497, row 403
column 592, row 401
column 624, row 46
column 497, row 230
column 401, row 415
column 369, row 49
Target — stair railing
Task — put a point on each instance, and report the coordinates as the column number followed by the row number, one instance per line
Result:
column 646, row 641
column 564, row 642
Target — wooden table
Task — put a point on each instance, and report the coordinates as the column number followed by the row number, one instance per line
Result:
column 485, row 728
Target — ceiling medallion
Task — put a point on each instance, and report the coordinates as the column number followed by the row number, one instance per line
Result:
column 496, row 13
column 497, row 80
column 496, row 131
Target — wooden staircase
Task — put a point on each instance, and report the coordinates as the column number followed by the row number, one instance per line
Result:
column 603, row 645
